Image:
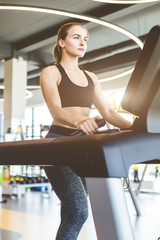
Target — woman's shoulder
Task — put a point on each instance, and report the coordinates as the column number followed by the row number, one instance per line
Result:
column 50, row 72
column 50, row 69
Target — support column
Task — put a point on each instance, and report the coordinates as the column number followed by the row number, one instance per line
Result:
column 14, row 93
column 109, row 207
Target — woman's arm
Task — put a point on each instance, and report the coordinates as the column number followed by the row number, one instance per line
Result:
column 109, row 114
column 49, row 80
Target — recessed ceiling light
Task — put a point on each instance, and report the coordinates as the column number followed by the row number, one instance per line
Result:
column 33, row 86
column 126, row 1
column 29, row 94
column 78, row 16
column 117, row 75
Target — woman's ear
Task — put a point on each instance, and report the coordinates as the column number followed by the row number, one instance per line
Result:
column 61, row 43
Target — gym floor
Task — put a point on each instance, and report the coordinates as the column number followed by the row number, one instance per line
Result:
column 35, row 218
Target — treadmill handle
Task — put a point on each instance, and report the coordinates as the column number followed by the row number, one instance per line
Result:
column 100, row 124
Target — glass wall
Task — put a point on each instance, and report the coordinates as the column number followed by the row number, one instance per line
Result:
column 37, row 119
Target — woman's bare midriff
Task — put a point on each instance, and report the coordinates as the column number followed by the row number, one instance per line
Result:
column 81, row 113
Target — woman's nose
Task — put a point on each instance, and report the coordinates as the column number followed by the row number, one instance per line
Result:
column 82, row 42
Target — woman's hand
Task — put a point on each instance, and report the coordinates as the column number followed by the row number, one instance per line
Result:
column 88, row 126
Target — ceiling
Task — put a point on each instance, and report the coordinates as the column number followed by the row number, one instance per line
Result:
column 32, row 35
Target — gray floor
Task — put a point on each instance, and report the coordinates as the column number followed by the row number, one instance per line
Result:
column 9, row 235
column 146, row 227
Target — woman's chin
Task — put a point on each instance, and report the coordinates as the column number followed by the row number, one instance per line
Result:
column 81, row 56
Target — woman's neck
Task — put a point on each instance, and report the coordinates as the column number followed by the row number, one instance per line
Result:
column 70, row 64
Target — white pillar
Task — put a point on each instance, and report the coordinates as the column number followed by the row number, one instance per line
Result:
column 109, row 207
column 14, row 94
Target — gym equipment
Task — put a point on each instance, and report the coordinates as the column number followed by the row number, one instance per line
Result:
column 100, row 124
column 143, row 91
column 105, row 158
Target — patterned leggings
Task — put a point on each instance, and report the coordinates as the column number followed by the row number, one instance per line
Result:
column 72, row 192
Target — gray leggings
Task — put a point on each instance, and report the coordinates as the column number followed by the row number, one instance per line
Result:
column 72, row 192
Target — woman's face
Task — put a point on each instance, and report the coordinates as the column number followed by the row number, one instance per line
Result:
column 75, row 43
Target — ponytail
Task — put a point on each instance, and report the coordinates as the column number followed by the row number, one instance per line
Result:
column 57, row 53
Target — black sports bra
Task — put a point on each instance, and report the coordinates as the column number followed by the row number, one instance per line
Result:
column 73, row 95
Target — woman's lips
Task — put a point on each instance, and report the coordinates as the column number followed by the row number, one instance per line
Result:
column 81, row 49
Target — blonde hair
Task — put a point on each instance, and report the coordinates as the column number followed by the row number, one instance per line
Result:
column 62, row 33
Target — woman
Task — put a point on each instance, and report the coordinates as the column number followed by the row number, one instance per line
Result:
column 69, row 93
